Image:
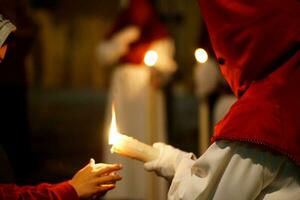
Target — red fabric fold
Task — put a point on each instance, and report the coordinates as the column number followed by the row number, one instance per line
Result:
column 259, row 42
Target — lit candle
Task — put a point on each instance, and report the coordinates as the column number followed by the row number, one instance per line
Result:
column 201, row 55
column 150, row 58
column 128, row 146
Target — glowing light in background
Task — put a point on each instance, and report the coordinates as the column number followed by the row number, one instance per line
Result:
column 201, row 55
column 151, row 58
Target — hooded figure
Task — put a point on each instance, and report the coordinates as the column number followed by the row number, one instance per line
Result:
column 136, row 31
column 255, row 151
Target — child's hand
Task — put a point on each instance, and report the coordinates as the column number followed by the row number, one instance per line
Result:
column 95, row 179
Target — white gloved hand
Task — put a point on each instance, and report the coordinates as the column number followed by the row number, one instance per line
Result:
column 127, row 35
column 110, row 51
column 169, row 158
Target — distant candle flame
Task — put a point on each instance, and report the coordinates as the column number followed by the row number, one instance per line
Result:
column 151, row 58
column 201, row 55
column 114, row 135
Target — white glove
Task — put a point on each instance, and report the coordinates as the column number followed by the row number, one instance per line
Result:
column 127, row 35
column 169, row 158
column 110, row 51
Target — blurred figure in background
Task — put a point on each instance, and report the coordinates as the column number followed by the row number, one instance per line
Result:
column 210, row 83
column 134, row 87
column 214, row 95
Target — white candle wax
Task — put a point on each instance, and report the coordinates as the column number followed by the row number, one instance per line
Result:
column 130, row 147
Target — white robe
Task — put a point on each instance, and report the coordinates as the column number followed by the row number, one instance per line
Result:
column 226, row 172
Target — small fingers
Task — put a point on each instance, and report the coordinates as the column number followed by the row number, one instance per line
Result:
column 92, row 162
column 107, row 169
column 108, row 179
column 106, row 187
column 99, row 165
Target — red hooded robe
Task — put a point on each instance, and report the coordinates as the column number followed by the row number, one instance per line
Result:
column 257, row 45
column 140, row 13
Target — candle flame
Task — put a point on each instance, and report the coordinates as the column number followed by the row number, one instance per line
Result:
column 151, row 58
column 201, row 55
column 114, row 135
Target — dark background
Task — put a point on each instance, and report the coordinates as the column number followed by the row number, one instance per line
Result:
column 54, row 93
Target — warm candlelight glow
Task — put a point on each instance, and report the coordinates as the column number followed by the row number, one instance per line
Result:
column 114, row 135
column 150, row 58
column 128, row 146
column 201, row 55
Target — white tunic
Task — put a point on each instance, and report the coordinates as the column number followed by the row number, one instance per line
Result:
column 225, row 171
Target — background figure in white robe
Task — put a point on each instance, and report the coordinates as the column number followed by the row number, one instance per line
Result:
column 208, row 80
column 137, row 31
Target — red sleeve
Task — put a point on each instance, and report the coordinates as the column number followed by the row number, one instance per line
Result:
column 44, row 191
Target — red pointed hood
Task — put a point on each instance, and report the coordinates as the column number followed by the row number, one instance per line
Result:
column 251, row 38
column 257, row 44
